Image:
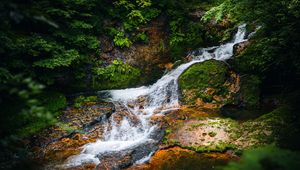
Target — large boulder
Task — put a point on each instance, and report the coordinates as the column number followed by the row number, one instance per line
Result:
column 209, row 84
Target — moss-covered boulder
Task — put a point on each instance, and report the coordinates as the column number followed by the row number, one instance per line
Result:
column 209, row 83
column 207, row 133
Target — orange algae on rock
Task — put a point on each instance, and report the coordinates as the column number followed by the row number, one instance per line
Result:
column 177, row 158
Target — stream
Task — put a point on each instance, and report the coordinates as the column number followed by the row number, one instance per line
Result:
column 136, row 134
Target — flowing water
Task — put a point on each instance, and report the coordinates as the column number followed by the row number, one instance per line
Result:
column 158, row 99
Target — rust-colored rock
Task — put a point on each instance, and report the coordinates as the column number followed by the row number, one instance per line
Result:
column 55, row 144
column 178, row 158
column 240, row 47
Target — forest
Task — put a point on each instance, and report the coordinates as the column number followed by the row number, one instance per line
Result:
column 149, row 84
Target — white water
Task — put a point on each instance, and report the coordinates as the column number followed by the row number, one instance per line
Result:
column 161, row 97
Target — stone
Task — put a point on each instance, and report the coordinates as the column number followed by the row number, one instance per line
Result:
column 178, row 158
column 107, row 45
column 210, row 84
column 120, row 160
column 61, row 141
column 240, row 48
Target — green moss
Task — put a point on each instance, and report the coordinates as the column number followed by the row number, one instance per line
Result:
column 212, row 134
column 200, row 76
column 220, row 147
column 168, row 131
column 196, row 79
column 197, row 125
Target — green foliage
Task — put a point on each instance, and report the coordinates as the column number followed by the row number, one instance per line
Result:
column 273, row 47
column 122, row 41
column 219, row 12
column 168, row 131
column 43, row 42
column 4, row 75
column 184, row 34
column 142, row 37
column 188, row 31
column 55, row 43
column 21, row 107
column 59, row 60
column 212, row 134
column 132, row 15
column 136, row 17
column 80, row 100
column 116, row 75
column 268, row 157
column 136, row 13
column 53, row 101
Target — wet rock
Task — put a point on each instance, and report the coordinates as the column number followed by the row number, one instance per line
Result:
column 65, row 148
column 65, row 139
column 123, row 159
column 156, row 118
column 130, row 105
column 85, row 166
column 240, row 47
column 167, row 66
column 100, row 119
column 121, row 115
column 141, row 99
column 106, row 45
column 178, row 158
column 177, row 63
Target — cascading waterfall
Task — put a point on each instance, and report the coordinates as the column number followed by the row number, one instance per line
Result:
column 160, row 97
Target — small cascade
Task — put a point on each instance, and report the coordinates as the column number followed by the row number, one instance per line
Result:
column 136, row 131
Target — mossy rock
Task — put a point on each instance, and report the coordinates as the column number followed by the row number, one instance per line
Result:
column 206, row 81
column 211, row 73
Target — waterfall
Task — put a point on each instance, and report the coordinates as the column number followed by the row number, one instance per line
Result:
column 159, row 98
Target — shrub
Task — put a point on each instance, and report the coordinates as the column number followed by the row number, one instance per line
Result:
column 116, row 75
column 268, row 157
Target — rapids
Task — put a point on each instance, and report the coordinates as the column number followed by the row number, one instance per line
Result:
column 159, row 98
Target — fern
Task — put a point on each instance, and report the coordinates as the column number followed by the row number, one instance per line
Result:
column 58, row 60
